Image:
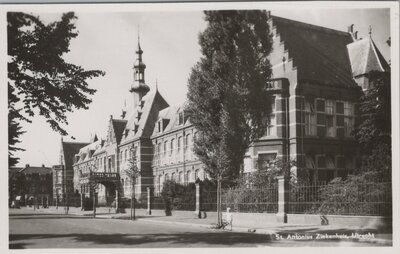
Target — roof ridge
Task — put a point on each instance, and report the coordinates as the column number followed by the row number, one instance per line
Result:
column 321, row 28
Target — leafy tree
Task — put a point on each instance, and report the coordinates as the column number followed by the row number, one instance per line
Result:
column 374, row 130
column 38, row 76
column 227, row 102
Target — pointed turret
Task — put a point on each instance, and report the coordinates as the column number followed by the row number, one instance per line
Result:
column 139, row 87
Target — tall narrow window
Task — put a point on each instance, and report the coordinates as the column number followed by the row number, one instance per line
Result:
column 330, row 122
column 348, row 119
column 180, row 149
column 310, row 119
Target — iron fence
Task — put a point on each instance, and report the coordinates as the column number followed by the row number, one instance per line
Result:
column 362, row 199
column 243, row 200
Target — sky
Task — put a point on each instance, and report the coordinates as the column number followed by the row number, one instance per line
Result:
column 107, row 41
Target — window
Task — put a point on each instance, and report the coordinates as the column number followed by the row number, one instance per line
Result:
column 271, row 120
column 265, row 159
column 196, row 174
column 321, row 163
column 180, row 148
column 329, row 107
column 171, row 152
column 181, row 118
column 188, row 146
column 348, row 119
column 173, row 177
column 159, row 153
column 187, row 174
column 165, row 148
column 159, row 125
column 181, row 178
column 310, row 119
column 271, row 127
column 310, row 162
column 329, row 118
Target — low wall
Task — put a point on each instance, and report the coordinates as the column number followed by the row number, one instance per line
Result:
column 341, row 220
column 262, row 220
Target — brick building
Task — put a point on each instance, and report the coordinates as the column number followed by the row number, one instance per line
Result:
column 31, row 184
column 318, row 77
column 316, row 84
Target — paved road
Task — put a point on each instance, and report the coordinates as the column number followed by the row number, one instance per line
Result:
column 40, row 230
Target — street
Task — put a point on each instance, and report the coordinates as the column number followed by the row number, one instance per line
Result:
column 30, row 229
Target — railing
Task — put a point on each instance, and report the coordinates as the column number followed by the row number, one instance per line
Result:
column 100, row 176
column 244, row 200
column 362, row 199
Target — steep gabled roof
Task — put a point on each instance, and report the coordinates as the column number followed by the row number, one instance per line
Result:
column 170, row 113
column 69, row 151
column 119, row 126
column 142, row 118
column 366, row 57
column 318, row 53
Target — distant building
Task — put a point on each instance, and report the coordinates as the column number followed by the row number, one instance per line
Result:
column 318, row 77
column 64, row 172
column 31, row 184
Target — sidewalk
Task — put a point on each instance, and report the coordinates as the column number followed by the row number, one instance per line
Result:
column 275, row 229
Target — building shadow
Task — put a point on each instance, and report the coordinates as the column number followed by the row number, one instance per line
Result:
column 224, row 239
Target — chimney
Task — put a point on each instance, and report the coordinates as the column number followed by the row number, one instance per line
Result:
column 26, row 165
column 355, row 35
column 350, row 28
column 268, row 14
column 43, row 166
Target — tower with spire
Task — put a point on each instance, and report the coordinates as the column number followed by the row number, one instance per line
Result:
column 139, row 87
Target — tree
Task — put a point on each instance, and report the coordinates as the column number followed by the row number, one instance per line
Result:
column 133, row 172
column 227, row 102
column 38, row 77
column 374, row 130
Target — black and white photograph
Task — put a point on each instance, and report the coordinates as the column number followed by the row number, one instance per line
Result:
column 200, row 125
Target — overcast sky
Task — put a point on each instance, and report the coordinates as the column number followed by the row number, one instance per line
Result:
column 107, row 41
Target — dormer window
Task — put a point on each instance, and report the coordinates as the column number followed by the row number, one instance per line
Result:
column 181, row 118
column 139, row 114
column 136, row 128
column 126, row 132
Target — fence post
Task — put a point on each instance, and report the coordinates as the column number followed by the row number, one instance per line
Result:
column 148, row 201
column 197, row 212
column 283, row 198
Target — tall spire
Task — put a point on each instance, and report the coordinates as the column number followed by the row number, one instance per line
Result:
column 139, row 87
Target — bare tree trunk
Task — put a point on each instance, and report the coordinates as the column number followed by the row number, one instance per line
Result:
column 132, row 199
column 219, row 214
column 134, row 210
column 94, row 204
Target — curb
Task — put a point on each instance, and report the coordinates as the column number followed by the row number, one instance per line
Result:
column 261, row 231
